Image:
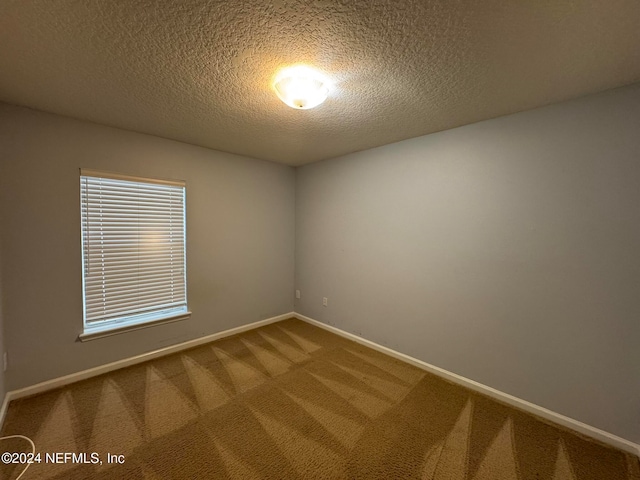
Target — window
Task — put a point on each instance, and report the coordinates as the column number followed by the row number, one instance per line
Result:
column 133, row 252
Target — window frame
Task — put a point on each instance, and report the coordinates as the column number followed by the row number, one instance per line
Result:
column 103, row 328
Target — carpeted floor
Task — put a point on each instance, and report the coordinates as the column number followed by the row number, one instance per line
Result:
column 292, row 401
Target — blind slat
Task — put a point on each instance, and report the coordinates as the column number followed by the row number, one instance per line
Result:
column 123, row 281
column 168, row 309
column 135, row 299
column 136, row 310
column 132, row 269
column 114, row 289
column 132, row 306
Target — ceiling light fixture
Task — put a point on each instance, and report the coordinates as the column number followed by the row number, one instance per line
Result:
column 301, row 87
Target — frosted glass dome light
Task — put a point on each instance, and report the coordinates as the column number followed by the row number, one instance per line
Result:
column 301, row 87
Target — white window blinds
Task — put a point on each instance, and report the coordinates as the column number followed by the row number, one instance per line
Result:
column 133, row 243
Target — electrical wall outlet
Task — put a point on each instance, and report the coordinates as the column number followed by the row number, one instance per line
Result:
column 325, row 302
column 5, row 361
column 297, row 293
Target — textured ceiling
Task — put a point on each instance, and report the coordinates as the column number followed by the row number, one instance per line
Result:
column 201, row 71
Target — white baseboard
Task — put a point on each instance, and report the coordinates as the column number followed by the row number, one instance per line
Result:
column 583, row 428
column 3, row 408
column 109, row 367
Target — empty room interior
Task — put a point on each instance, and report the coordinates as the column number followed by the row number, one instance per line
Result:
column 334, row 239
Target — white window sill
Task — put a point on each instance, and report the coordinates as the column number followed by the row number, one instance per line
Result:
column 116, row 329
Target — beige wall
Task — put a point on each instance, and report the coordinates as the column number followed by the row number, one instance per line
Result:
column 2, row 375
column 506, row 251
column 240, row 239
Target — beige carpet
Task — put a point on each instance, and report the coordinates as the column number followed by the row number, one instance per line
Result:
column 292, row 401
